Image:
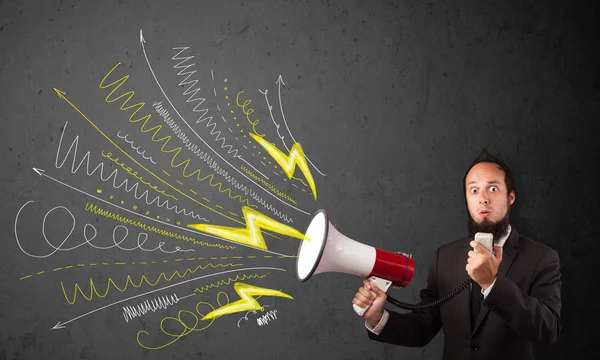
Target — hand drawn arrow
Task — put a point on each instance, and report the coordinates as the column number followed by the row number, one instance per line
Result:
column 142, row 42
column 279, row 82
column 43, row 174
column 61, row 325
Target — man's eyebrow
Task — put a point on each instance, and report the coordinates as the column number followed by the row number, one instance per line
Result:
column 489, row 182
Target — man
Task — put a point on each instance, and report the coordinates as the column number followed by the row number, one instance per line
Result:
column 514, row 301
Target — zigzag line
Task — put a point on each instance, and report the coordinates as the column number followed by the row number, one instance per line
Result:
column 156, row 130
column 134, row 187
column 189, row 90
column 128, row 281
column 204, row 156
column 99, row 211
column 271, row 187
column 227, row 282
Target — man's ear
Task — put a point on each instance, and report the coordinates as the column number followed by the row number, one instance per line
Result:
column 512, row 196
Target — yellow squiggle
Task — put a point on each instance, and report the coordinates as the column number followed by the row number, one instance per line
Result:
column 302, row 181
column 271, row 187
column 128, row 281
column 99, row 211
column 135, row 175
column 117, row 84
column 247, row 113
column 228, row 281
column 187, row 328
column 61, row 94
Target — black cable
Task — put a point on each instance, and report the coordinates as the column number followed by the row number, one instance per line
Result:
column 439, row 302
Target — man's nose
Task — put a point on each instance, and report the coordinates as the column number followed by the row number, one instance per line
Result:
column 483, row 200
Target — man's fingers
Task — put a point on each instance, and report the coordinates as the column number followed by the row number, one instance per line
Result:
column 361, row 304
column 366, row 293
column 477, row 247
column 363, row 299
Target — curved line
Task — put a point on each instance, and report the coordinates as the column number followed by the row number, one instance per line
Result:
column 39, row 256
column 86, row 240
column 286, row 125
column 113, row 174
column 181, row 117
column 164, row 223
column 167, row 287
column 143, row 153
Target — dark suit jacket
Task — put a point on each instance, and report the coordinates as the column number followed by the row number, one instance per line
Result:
column 522, row 308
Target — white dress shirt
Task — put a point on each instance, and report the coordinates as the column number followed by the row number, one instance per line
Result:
column 384, row 319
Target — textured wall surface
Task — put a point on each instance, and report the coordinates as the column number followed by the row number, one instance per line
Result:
column 390, row 100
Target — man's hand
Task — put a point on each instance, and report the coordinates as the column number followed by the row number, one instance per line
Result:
column 482, row 266
column 364, row 298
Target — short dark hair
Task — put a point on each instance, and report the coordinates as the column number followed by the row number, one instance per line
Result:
column 485, row 156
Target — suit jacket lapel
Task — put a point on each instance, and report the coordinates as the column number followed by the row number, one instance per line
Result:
column 509, row 252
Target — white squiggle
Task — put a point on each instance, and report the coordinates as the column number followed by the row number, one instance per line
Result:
column 61, row 325
column 113, row 175
column 88, row 240
column 209, row 120
column 245, row 317
column 270, row 207
column 137, row 149
column 269, row 316
column 161, row 302
column 43, row 173
column 204, row 156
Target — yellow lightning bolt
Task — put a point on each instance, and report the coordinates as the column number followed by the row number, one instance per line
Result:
column 288, row 163
column 251, row 234
column 247, row 301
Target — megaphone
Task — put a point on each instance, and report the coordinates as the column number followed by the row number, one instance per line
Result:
column 330, row 251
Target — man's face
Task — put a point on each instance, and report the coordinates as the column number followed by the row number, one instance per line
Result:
column 488, row 199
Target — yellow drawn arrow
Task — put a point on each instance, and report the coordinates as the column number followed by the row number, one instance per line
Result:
column 61, row 94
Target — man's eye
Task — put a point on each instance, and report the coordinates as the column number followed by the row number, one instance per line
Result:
column 473, row 191
column 493, row 188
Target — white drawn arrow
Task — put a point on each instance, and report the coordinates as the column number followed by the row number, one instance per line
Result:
column 142, row 42
column 61, row 325
column 279, row 82
column 43, row 174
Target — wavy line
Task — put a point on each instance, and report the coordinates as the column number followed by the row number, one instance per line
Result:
column 137, row 149
column 213, row 164
column 271, row 187
column 135, row 175
column 124, row 107
column 192, row 83
column 128, row 280
column 99, row 211
column 161, row 302
column 302, row 181
column 142, row 41
column 86, row 158
column 227, row 282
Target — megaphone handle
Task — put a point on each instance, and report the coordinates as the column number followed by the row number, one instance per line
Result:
column 383, row 284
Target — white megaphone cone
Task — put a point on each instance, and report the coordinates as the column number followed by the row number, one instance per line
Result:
column 330, row 251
